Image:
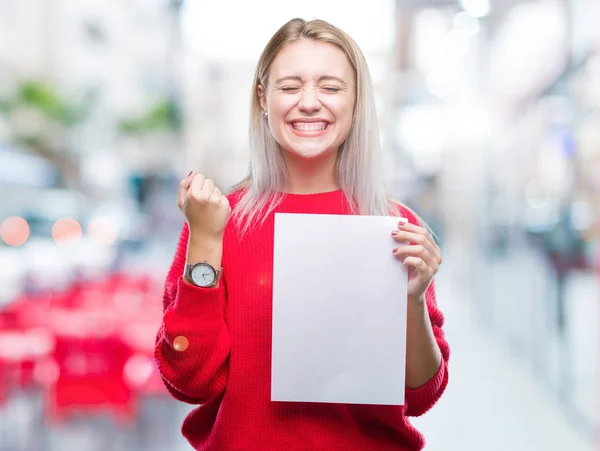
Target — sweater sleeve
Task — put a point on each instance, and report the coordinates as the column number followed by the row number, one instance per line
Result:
column 420, row 400
column 196, row 372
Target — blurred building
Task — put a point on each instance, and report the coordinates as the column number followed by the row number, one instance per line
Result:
column 117, row 61
column 216, row 104
column 497, row 112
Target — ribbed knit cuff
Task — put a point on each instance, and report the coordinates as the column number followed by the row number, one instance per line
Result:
column 195, row 369
column 421, row 399
column 193, row 301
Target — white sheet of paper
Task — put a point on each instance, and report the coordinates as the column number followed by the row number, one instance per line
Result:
column 339, row 310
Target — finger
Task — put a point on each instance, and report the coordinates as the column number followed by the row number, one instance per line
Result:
column 226, row 202
column 184, row 186
column 216, row 195
column 403, row 225
column 416, row 229
column 417, row 251
column 403, row 236
column 208, row 187
column 412, row 228
column 418, row 264
column 197, row 183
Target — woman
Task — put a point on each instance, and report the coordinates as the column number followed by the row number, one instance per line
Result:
column 314, row 150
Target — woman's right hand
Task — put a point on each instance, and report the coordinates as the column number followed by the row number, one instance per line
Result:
column 205, row 208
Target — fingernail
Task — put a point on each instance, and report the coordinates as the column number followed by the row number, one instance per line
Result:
column 191, row 172
column 394, row 232
column 394, row 250
column 402, row 222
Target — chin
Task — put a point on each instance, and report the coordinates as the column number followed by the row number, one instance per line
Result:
column 310, row 153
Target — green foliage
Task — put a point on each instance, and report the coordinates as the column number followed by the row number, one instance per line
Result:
column 4, row 106
column 164, row 116
column 45, row 98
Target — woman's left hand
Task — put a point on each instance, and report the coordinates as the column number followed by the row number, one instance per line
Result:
column 421, row 256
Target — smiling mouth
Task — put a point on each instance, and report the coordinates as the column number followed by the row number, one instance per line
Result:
column 309, row 126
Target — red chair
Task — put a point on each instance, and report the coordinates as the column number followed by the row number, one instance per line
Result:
column 91, row 361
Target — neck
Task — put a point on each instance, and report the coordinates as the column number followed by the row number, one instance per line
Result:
column 309, row 176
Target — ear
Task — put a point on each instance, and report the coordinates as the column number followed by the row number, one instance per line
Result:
column 262, row 97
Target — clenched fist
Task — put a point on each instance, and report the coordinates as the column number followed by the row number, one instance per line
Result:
column 205, row 208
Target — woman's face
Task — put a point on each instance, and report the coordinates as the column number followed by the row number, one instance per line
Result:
column 310, row 98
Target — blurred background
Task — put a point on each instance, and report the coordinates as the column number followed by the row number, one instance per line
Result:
column 490, row 121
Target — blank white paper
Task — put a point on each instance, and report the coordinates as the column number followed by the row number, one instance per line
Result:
column 339, row 310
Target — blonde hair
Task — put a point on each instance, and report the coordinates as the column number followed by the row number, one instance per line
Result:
column 359, row 162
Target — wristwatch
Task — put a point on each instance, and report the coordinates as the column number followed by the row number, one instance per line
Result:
column 202, row 274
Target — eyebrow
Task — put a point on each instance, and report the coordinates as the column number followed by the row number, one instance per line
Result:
column 322, row 78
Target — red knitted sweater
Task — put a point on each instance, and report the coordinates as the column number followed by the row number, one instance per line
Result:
column 226, row 368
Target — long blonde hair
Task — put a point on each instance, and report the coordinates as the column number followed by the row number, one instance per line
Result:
column 359, row 162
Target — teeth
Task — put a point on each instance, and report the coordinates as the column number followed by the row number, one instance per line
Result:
column 309, row 126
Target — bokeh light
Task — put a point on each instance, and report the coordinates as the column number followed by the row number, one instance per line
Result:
column 14, row 231
column 103, row 231
column 66, row 230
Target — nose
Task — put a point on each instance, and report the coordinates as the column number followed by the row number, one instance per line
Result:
column 309, row 101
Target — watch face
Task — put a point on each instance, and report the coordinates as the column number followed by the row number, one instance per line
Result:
column 203, row 274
